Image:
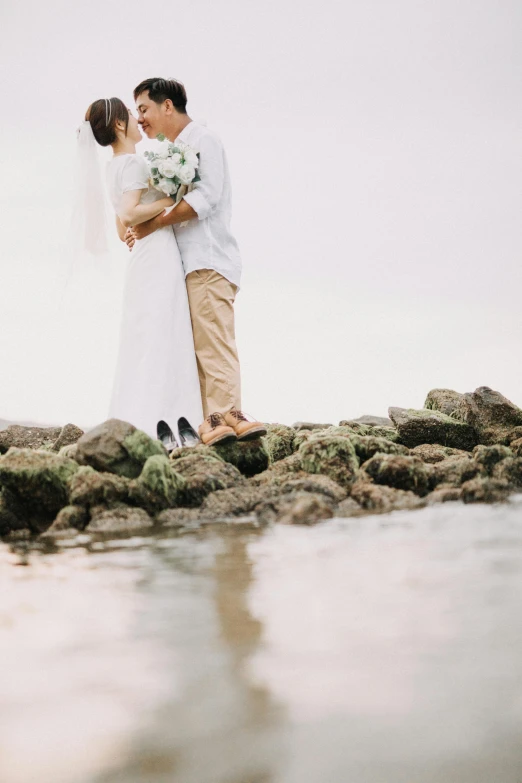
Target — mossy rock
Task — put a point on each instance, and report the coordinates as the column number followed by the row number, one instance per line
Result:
column 485, row 490
column 22, row 437
column 366, row 446
column 296, row 508
column 204, row 474
column 232, row 502
column 332, row 456
column 35, row 485
column 444, row 400
column 416, row 427
column 491, row 415
column 119, row 520
column 434, row 452
column 116, row 446
column 279, row 471
column 381, row 499
column 89, row 488
column 279, row 441
column 410, row 474
column 69, row 518
column 454, row 471
column 510, row 470
column 159, row 486
column 444, row 494
column 249, row 457
column 489, row 456
column 312, row 482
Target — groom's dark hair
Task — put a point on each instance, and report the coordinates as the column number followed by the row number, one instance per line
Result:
column 162, row 89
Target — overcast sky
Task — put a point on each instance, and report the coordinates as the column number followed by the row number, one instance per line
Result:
column 375, row 151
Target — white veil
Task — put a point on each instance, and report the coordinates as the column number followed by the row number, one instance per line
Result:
column 89, row 216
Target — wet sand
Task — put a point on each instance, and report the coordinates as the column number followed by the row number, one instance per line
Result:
column 375, row 650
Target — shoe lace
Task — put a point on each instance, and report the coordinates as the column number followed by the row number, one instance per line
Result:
column 215, row 419
column 238, row 416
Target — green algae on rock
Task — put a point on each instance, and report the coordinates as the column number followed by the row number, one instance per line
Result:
column 205, row 474
column 416, row 427
column 381, row 499
column 117, row 447
column 296, row 508
column 489, row 456
column 399, row 471
column 158, row 487
column 453, row 471
column 333, row 456
column 123, row 519
column 366, row 446
column 248, row 456
column 485, row 490
column 279, row 441
column 35, row 485
column 434, row 452
column 492, row 416
column 89, row 488
column 443, row 400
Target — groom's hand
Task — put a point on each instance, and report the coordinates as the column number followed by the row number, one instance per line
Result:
column 144, row 229
column 129, row 238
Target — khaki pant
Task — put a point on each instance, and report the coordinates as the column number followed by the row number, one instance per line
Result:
column 211, row 299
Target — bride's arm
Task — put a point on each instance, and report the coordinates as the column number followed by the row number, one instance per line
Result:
column 131, row 212
column 120, row 228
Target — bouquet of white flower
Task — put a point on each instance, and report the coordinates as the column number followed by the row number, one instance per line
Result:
column 173, row 168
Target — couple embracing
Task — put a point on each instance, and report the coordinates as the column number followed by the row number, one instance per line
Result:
column 177, row 363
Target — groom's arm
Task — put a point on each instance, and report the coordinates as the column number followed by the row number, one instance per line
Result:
column 201, row 202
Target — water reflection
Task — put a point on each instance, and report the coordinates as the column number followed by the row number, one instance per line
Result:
column 376, row 650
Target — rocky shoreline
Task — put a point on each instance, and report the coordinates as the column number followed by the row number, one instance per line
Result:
column 114, row 479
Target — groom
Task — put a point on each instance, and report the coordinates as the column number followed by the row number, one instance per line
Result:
column 210, row 258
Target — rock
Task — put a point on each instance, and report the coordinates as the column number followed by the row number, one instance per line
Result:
column 489, row 456
column 485, row 490
column 88, row 488
column 366, row 446
column 443, row 400
column 510, row 470
column 332, row 456
column 159, row 486
column 69, row 517
column 514, row 435
column 416, row 427
column 8, row 519
column 381, row 499
column 279, row 441
column 370, row 421
column 235, row 501
column 205, row 473
column 124, row 519
column 350, row 427
column 179, row 518
column 248, row 456
column 308, row 425
column 444, row 494
column 454, row 471
column 348, row 508
column 302, row 436
column 492, row 416
column 69, row 451
column 309, row 482
column 516, row 447
column 433, row 452
column 28, row 437
column 395, row 470
column 279, row 471
column 35, row 485
column 117, row 447
column 69, row 435
column 300, row 508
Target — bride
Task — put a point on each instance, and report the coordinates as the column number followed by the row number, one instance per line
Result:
column 156, row 384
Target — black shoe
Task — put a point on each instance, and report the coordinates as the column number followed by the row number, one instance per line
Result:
column 187, row 435
column 166, row 436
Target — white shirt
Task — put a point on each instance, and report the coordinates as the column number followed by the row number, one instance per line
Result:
column 206, row 243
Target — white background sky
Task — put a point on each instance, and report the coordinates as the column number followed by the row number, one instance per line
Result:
column 376, row 157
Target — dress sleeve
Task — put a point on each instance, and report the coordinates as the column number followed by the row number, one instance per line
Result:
column 135, row 174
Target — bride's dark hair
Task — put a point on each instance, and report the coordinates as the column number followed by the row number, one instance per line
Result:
column 103, row 115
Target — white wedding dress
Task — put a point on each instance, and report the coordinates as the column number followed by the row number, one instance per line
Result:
column 156, row 375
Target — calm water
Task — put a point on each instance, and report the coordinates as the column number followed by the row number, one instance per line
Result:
column 378, row 650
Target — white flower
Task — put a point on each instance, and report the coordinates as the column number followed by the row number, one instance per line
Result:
column 175, row 157
column 190, row 157
column 163, row 151
column 186, row 174
column 169, row 168
column 167, row 186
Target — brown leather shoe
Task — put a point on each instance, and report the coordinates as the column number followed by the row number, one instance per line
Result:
column 244, row 429
column 215, row 430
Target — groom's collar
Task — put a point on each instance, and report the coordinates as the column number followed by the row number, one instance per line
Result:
column 185, row 133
